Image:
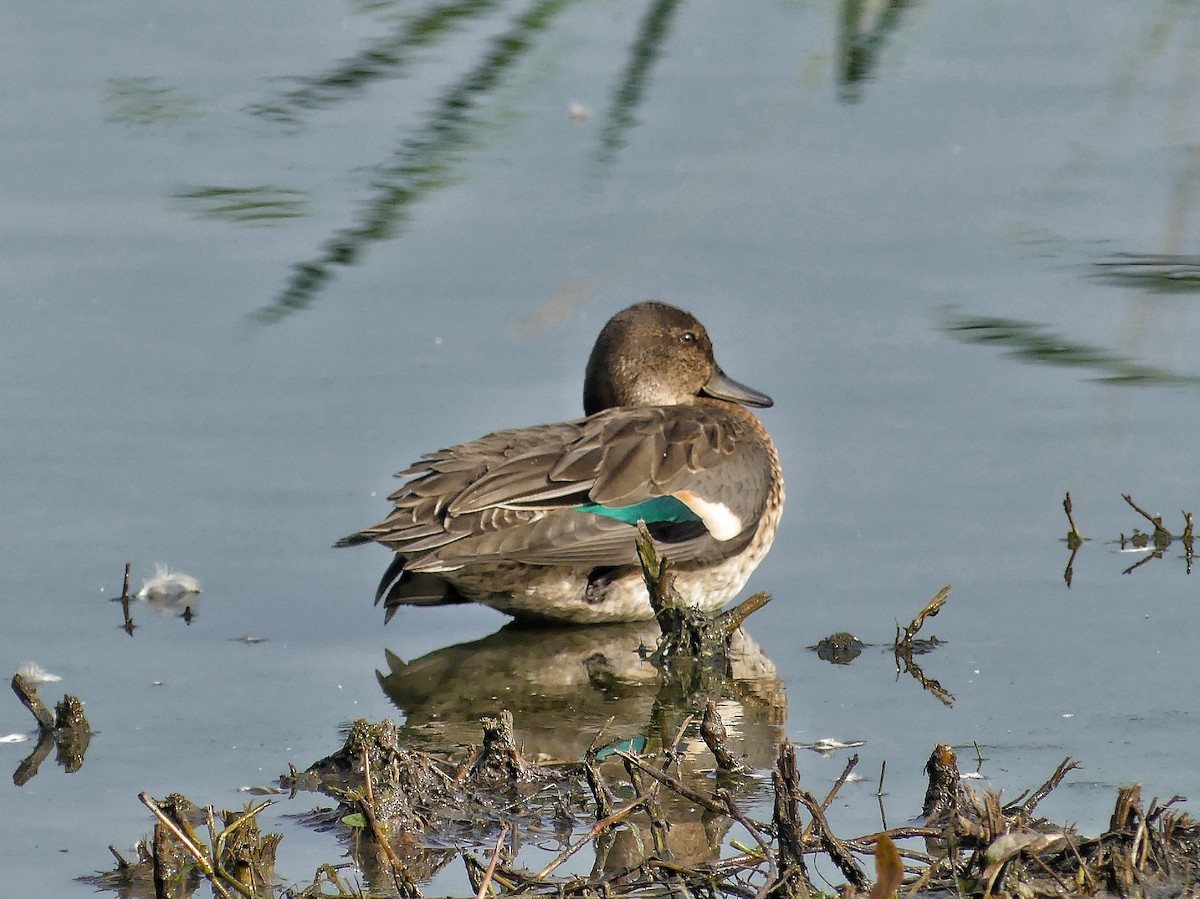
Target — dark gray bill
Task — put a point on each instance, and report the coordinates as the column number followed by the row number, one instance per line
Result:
column 723, row 387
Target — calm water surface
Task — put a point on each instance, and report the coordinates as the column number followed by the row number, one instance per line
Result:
column 257, row 258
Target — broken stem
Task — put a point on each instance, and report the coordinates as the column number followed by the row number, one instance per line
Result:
column 193, row 849
column 27, row 693
column 1160, row 532
column 491, row 868
column 930, row 610
column 594, row 831
column 1074, row 538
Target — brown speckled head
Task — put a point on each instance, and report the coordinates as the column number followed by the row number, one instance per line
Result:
column 652, row 354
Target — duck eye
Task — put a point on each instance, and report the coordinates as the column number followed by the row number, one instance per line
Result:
column 687, row 337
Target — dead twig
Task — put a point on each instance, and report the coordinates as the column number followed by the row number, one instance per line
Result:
column 905, row 645
column 730, row 621
column 674, row 785
column 1024, row 810
column 1187, row 540
column 736, row 814
column 203, row 862
column 27, row 692
column 833, row 847
column 594, row 831
column 491, row 868
column 1074, row 538
column 601, row 794
column 905, row 640
column 837, row 785
column 1162, row 536
column 792, row 879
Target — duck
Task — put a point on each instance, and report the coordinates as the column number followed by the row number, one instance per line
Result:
column 540, row 522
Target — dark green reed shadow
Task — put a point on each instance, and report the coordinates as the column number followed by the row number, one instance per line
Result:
column 422, row 163
column 1152, row 272
column 427, row 160
column 631, row 87
column 431, row 153
column 1032, row 342
column 864, row 31
column 258, row 205
column 140, row 102
column 383, row 59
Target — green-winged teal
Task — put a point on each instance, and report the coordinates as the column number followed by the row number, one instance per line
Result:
column 540, row 522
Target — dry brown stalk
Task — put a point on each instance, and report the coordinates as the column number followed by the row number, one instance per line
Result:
column 649, row 795
column 601, row 794
column 203, row 862
column 594, row 831
column 833, row 847
column 1074, row 538
column 1160, row 533
column 491, row 868
column 27, row 693
column 733, row 619
column 792, row 878
column 673, row 784
column 831, row 794
column 736, row 814
column 929, row 611
column 1065, row 767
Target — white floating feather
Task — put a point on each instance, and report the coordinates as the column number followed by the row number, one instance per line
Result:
column 168, row 586
column 36, row 674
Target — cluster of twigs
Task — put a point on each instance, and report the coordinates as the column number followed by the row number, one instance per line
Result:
column 237, row 860
column 67, row 729
column 970, row 844
column 994, row 848
column 842, row 648
column 688, row 635
column 1154, row 543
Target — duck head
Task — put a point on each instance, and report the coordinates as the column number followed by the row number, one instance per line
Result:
column 652, row 354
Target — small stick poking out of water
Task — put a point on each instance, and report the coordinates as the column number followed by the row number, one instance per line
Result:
column 27, row 692
column 712, row 729
column 931, row 609
column 686, row 631
column 1074, row 538
column 1187, row 539
column 905, row 646
column 1162, row 536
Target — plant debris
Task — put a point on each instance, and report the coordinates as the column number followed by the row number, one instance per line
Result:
column 661, row 813
column 67, row 729
column 1152, row 545
column 406, row 814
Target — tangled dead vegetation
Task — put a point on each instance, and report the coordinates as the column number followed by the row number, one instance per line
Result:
column 656, row 820
column 404, row 815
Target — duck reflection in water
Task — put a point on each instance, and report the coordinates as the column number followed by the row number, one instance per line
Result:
column 564, row 684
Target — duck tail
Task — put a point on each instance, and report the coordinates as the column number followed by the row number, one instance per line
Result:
column 399, row 587
column 354, row 540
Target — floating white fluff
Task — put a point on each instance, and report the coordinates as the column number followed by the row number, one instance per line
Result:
column 36, row 674
column 168, row 586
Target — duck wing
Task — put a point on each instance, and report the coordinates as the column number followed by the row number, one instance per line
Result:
column 571, row 493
